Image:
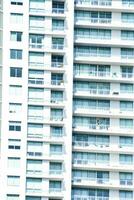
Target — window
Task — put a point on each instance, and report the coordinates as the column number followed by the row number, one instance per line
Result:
column 125, row 195
column 56, row 114
column 128, row 2
column 126, row 123
column 14, row 144
column 55, row 185
column 16, row 18
column 13, row 163
column 14, row 126
column 35, row 111
column 127, row 53
column 56, row 131
column 127, row 17
column 57, row 60
column 16, row 36
column 17, row 2
column 56, row 148
column 93, row 33
column 127, row 71
column 35, row 130
column 57, row 7
column 126, row 178
column 55, row 168
column 34, row 148
column 126, row 141
column 36, row 58
column 36, row 41
column 37, row 5
column 15, row 108
column 15, row 90
column 34, row 166
column 57, row 24
column 12, row 197
column 127, row 35
column 57, row 43
column 126, row 106
column 34, row 184
column 126, row 88
column 15, row 72
column 33, row 198
column 56, row 79
column 16, row 54
column 93, row 193
column 13, row 180
column 36, row 93
column 56, row 96
column 125, row 159
column 36, row 22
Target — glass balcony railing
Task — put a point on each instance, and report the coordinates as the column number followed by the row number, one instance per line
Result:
column 92, row 73
column 36, row 45
column 58, row 46
column 58, row 10
column 57, row 64
column 93, row 91
column 36, row 81
column 93, row 20
column 92, row 126
column 96, row 181
column 82, row 197
column 91, row 54
column 89, row 143
column 94, row 2
column 89, row 36
column 91, row 162
column 56, row 172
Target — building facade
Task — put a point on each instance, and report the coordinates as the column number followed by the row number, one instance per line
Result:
column 67, row 100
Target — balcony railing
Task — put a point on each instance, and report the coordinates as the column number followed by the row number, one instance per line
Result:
column 36, row 154
column 89, row 36
column 57, row 64
column 94, row 20
column 96, row 181
column 94, row 2
column 82, row 197
column 36, row 81
column 92, row 73
column 55, row 172
column 90, row 162
column 88, row 143
column 93, row 91
column 36, row 45
column 91, row 54
column 58, row 46
column 58, row 10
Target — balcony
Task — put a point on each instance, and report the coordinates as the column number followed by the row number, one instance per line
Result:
column 101, row 182
column 105, row 93
column 101, row 111
column 101, row 164
column 108, row 4
column 94, row 128
column 104, row 147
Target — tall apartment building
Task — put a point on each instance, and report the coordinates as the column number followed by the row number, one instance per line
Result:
column 67, row 120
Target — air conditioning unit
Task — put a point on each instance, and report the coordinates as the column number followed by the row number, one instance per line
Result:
column 116, row 93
